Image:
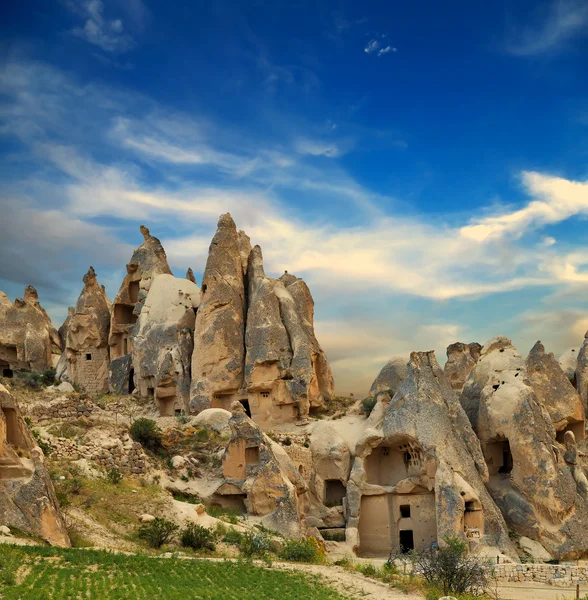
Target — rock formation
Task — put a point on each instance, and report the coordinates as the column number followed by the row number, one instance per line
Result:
column 28, row 340
column 419, row 475
column 163, row 344
column 86, row 338
column 393, row 373
column 27, row 498
column 254, row 339
column 582, row 372
column 148, row 260
column 255, row 477
column 219, row 352
column 555, row 392
column 529, row 478
column 569, row 362
column 461, row 359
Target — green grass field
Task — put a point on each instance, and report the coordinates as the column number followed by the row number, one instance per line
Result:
column 55, row 574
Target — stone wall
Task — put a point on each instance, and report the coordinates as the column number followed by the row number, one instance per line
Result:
column 564, row 575
column 64, row 407
column 123, row 453
column 302, row 459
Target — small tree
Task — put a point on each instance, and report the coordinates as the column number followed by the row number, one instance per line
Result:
column 197, row 537
column 158, row 532
column 450, row 568
column 147, row 433
column 114, row 476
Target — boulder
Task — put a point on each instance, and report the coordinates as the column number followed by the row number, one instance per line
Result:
column 28, row 340
column 27, row 497
column 146, row 518
column 534, row 549
column 163, row 343
column 393, row 373
column 86, row 332
column 213, row 418
column 5, row 530
column 219, row 350
column 461, row 359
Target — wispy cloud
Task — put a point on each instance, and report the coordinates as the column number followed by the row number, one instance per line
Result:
column 108, row 34
column 563, row 20
column 178, row 172
column 379, row 45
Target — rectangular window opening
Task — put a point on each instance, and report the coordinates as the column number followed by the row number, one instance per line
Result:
column 405, row 511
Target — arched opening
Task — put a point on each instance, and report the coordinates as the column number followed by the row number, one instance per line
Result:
column 12, row 433
column 498, row 457
column 388, row 464
column 473, row 518
column 8, row 373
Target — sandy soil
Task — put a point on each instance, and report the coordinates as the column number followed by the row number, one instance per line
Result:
column 526, row 591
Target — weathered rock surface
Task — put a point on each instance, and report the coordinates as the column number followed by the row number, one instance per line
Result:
column 163, row 342
column 254, row 338
column 28, row 340
column 569, row 362
column 461, row 359
column 393, row 373
column 86, row 338
column 253, row 475
column 27, row 498
column 582, row 372
column 422, row 470
column 219, row 350
column 148, row 261
column 555, row 392
column 529, row 479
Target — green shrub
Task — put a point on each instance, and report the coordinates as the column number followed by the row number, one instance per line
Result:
column 368, row 569
column 114, row 476
column 231, row 515
column 233, row 537
column 367, row 405
column 37, row 379
column 157, row 533
column 147, row 433
column 254, row 544
column 45, row 447
column 197, row 537
column 306, row 551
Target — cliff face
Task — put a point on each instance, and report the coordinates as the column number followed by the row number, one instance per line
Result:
column 254, row 339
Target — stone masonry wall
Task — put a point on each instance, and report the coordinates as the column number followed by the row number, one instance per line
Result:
column 564, row 575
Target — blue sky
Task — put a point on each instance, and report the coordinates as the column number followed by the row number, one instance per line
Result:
column 423, row 165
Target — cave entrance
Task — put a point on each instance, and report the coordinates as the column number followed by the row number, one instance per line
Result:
column 7, row 372
column 498, row 457
column 406, row 540
column 578, row 429
column 245, row 404
column 123, row 314
column 335, row 491
column 252, row 456
column 131, row 381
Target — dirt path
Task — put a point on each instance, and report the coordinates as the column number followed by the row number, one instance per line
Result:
column 534, row 591
column 350, row 584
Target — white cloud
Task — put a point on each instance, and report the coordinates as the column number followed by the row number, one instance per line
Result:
column 372, row 46
column 320, row 148
column 100, row 31
column 387, row 49
column 564, row 20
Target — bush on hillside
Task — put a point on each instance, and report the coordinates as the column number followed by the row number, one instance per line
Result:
column 158, row 532
column 147, row 433
column 307, row 551
column 197, row 537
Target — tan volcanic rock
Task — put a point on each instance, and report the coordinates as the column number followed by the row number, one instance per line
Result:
column 219, row 350
column 27, row 498
column 461, row 359
column 556, row 393
column 582, row 372
column 569, row 362
column 529, row 479
column 393, row 373
column 28, row 340
column 163, row 343
column 148, row 261
column 86, row 338
column 421, row 470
